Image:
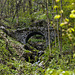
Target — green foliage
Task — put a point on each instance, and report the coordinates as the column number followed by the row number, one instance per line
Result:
column 43, row 16
column 23, row 22
column 56, row 64
column 36, row 40
column 4, row 70
column 68, row 6
column 58, row 72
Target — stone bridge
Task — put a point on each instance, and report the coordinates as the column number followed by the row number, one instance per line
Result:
column 23, row 35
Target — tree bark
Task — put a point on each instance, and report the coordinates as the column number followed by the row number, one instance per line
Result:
column 48, row 27
column 17, row 9
column 2, row 6
column 24, row 6
column 30, row 6
column 61, row 29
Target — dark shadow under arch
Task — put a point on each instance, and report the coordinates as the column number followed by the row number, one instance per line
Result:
column 33, row 33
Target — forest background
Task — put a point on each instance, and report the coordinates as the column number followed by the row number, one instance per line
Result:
column 56, row 59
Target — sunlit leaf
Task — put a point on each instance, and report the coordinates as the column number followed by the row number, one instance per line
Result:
column 72, row 3
column 55, row 6
column 57, row 16
column 62, row 24
column 73, row 55
column 57, row 0
column 73, row 12
column 61, row 11
column 71, row 29
column 67, row 20
column 72, row 15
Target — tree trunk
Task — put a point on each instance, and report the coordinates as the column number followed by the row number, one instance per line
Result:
column 30, row 6
column 61, row 31
column 24, row 6
column 48, row 27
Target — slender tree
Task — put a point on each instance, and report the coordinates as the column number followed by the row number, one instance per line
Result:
column 61, row 28
column 53, row 13
column 48, row 26
column 58, row 29
column 24, row 5
column 8, row 7
column 17, row 10
column 3, row 3
column 30, row 6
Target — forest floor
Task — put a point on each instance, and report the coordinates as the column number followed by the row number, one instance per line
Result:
column 16, row 60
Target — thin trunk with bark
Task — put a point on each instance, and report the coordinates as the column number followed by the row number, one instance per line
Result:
column 58, row 31
column 61, row 29
column 24, row 6
column 3, row 6
column 48, row 27
column 17, row 9
column 53, row 2
column 30, row 6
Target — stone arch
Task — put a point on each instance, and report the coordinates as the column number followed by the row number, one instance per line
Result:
column 33, row 33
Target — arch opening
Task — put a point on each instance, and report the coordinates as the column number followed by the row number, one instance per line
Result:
column 36, row 39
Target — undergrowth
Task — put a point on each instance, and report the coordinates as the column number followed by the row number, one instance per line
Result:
column 56, row 64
